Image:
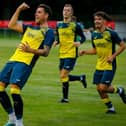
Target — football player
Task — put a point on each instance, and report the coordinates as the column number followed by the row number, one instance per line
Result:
column 36, row 42
column 104, row 41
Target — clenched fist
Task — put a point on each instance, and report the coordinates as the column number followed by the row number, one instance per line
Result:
column 23, row 6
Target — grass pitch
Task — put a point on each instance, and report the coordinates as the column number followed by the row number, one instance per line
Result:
column 43, row 91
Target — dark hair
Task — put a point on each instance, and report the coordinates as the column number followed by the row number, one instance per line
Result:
column 46, row 8
column 104, row 15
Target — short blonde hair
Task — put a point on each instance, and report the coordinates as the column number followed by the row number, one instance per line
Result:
column 69, row 5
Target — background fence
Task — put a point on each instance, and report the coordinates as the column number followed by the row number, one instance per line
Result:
column 5, row 32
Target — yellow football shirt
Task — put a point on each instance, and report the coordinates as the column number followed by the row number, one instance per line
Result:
column 105, row 46
column 36, row 37
column 67, row 34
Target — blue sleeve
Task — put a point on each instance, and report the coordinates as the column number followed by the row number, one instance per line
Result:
column 79, row 31
column 93, row 45
column 92, row 40
column 25, row 27
column 57, row 34
column 115, row 37
column 49, row 38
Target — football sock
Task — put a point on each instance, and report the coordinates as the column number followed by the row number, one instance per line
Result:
column 108, row 103
column 120, row 90
column 12, row 118
column 74, row 78
column 6, row 103
column 19, row 122
column 117, row 90
column 18, row 106
column 65, row 90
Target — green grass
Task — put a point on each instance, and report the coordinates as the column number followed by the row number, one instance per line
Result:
column 43, row 91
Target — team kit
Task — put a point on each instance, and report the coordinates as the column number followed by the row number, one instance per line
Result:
column 38, row 40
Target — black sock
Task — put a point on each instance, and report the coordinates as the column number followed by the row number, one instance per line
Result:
column 109, row 105
column 117, row 90
column 5, row 101
column 65, row 90
column 74, row 78
column 18, row 105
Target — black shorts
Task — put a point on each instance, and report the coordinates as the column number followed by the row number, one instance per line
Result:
column 67, row 63
column 103, row 77
column 15, row 73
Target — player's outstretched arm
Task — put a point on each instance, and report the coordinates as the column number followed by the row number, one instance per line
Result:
column 13, row 24
column 87, row 52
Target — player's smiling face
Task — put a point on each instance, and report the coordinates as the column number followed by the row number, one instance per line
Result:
column 67, row 12
column 99, row 22
column 40, row 15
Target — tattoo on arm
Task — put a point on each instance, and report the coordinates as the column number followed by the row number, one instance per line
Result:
column 46, row 51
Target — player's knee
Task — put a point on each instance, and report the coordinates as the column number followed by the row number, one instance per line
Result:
column 15, row 90
column 64, row 78
column 101, row 89
column 62, row 75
